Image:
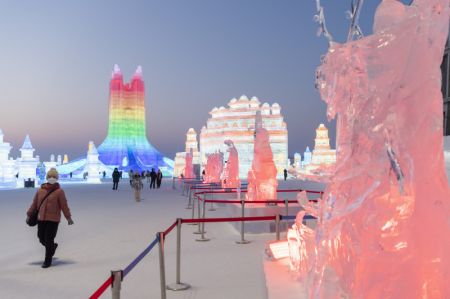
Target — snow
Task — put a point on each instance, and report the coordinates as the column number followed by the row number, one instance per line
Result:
column 110, row 230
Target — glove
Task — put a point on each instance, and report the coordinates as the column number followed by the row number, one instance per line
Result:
column 70, row 221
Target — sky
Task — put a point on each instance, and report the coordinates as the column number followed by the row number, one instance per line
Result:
column 56, row 59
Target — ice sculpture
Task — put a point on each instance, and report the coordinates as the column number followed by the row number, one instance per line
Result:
column 384, row 223
column 93, row 165
column 180, row 157
column 27, row 164
column 127, row 128
column 262, row 177
column 189, row 168
column 214, row 168
column 7, row 166
column 230, row 176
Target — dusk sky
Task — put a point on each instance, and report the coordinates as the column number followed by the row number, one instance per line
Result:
column 57, row 56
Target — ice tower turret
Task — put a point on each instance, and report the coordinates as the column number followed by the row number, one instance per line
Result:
column 27, row 164
column 127, row 127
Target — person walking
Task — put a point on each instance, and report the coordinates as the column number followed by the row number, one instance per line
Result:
column 147, row 175
column 130, row 176
column 285, row 174
column 116, row 178
column 159, row 177
column 50, row 200
column 137, row 185
column 152, row 178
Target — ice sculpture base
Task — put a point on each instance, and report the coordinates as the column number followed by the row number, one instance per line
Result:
column 281, row 282
column 254, row 210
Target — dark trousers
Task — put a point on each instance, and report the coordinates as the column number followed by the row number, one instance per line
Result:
column 46, row 233
column 152, row 183
column 158, row 183
column 115, row 185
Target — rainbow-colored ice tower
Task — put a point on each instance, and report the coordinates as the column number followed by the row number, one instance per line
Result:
column 126, row 145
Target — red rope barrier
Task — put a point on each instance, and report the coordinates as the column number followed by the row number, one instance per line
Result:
column 170, row 228
column 101, row 289
column 238, row 219
column 220, row 200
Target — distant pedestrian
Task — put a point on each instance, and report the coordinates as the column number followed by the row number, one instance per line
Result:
column 116, row 178
column 70, row 174
column 137, row 186
column 285, row 174
column 120, row 172
column 130, row 176
column 104, row 174
column 203, row 174
column 159, row 177
column 49, row 201
column 152, row 178
column 147, row 175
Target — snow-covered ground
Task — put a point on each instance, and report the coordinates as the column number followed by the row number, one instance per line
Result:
column 110, row 230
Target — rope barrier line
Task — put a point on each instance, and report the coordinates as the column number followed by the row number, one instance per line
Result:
column 101, row 289
column 127, row 270
column 170, row 228
column 234, row 219
column 140, row 257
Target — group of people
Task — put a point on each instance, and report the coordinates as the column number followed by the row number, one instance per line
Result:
column 137, row 180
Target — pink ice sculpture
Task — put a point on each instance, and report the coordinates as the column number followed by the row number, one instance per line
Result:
column 213, row 168
column 230, row 176
column 189, row 168
column 262, row 177
column 384, row 222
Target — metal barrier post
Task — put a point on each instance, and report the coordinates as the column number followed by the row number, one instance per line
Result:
column 178, row 285
column 277, row 227
column 193, row 210
column 189, row 206
column 162, row 269
column 116, row 283
column 286, row 203
column 242, row 240
column 202, row 237
column 211, row 208
column 199, row 231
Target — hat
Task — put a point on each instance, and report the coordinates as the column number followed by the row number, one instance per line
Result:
column 52, row 173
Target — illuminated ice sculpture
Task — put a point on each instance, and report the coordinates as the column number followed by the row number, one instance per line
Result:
column 237, row 122
column 27, row 164
column 7, row 166
column 384, row 221
column 93, row 165
column 262, row 177
column 189, row 167
column 230, row 175
column 127, row 140
column 180, row 157
column 213, row 168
